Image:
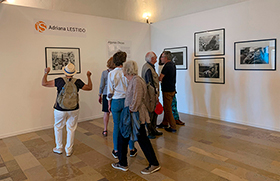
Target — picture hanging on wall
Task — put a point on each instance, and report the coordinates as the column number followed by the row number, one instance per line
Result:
column 58, row 57
column 255, row 55
column 209, row 70
column 209, row 43
column 179, row 57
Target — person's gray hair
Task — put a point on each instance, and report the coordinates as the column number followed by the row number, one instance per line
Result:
column 130, row 68
column 149, row 56
column 167, row 54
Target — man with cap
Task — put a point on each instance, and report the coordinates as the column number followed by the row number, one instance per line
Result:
column 63, row 115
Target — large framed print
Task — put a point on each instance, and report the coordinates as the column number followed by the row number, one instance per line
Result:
column 209, row 43
column 255, row 55
column 58, row 57
column 179, row 57
column 209, row 70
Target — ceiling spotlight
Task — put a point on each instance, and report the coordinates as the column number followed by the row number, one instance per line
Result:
column 146, row 16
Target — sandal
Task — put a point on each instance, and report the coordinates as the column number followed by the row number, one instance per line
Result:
column 104, row 133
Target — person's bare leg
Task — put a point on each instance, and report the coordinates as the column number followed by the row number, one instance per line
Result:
column 105, row 121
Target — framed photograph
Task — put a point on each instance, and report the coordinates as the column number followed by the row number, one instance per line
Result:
column 255, row 55
column 209, row 70
column 58, row 57
column 179, row 57
column 209, row 43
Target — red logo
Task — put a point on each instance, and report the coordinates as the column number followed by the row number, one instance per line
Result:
column 40, row 26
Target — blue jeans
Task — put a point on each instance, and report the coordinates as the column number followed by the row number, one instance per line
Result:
column 117, row 106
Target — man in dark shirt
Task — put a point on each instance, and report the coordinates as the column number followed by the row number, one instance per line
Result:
column 168, row 81
column 63, row 116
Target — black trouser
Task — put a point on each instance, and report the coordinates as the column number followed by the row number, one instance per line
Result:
column 145, row 146
column 152, row 126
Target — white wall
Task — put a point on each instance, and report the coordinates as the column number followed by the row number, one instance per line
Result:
column 26, row 105
column 247, row 97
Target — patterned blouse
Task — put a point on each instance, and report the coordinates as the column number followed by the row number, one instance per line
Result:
column 135, row 96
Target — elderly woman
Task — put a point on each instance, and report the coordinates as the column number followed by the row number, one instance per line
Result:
column 116, row 89
column 103, row 94
column 134, row 99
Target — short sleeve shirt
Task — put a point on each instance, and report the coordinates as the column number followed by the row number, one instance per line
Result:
column 59, row 83
column 169, row 80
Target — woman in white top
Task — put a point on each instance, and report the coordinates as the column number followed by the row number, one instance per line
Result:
column 117, row 84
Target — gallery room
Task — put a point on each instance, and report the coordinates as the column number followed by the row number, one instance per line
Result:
column 227, row 87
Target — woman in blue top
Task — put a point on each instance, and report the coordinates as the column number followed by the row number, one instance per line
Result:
column 103, row 94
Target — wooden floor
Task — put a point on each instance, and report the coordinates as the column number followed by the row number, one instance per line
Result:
column 203, row 149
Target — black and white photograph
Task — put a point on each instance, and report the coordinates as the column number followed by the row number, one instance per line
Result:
column 57, row 58
column 209, row 43
column 179, row 57
column 255, row 55
column 209, row 70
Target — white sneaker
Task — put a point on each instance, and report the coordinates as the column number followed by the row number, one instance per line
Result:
column 150, row 169
column 58, row 150
column 118, row 166
column 69, row 153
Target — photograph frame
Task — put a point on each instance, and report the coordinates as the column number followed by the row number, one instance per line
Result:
column 206, row 43
column 253, row 55
column 58, row 57
column 209, row 70
column 182, row 54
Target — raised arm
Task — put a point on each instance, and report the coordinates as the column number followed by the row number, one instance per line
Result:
column 88, row 87
column 45, row 82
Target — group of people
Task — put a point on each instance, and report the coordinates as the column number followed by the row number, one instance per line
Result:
column 123, row 93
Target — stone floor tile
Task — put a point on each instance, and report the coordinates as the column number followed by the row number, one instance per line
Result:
column 91, row 172
column 37, row 173
column 94, row 159
column 7, row 179
column 18, row 150
column 6, row 154
column 12, row 141
column 53, row 161
column 27, row 136
column 46, row 138
column 81, row 148
column 65, row 172
column 18, row 175
column 26, row 161
column 80, row 164
column 12, row 165
column 3, row 170
column 4, row 176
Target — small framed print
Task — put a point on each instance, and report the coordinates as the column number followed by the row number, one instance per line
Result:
column 179, row 57
column 209, row 43
column 255, row 55
column 209, row 70
column 58, row 57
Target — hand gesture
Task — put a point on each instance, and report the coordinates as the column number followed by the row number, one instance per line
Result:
column 47, row 70
column 88, row 73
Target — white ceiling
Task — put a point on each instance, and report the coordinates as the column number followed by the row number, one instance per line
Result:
column 131, row 10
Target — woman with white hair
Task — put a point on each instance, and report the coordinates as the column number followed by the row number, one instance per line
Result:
column 134, row 100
